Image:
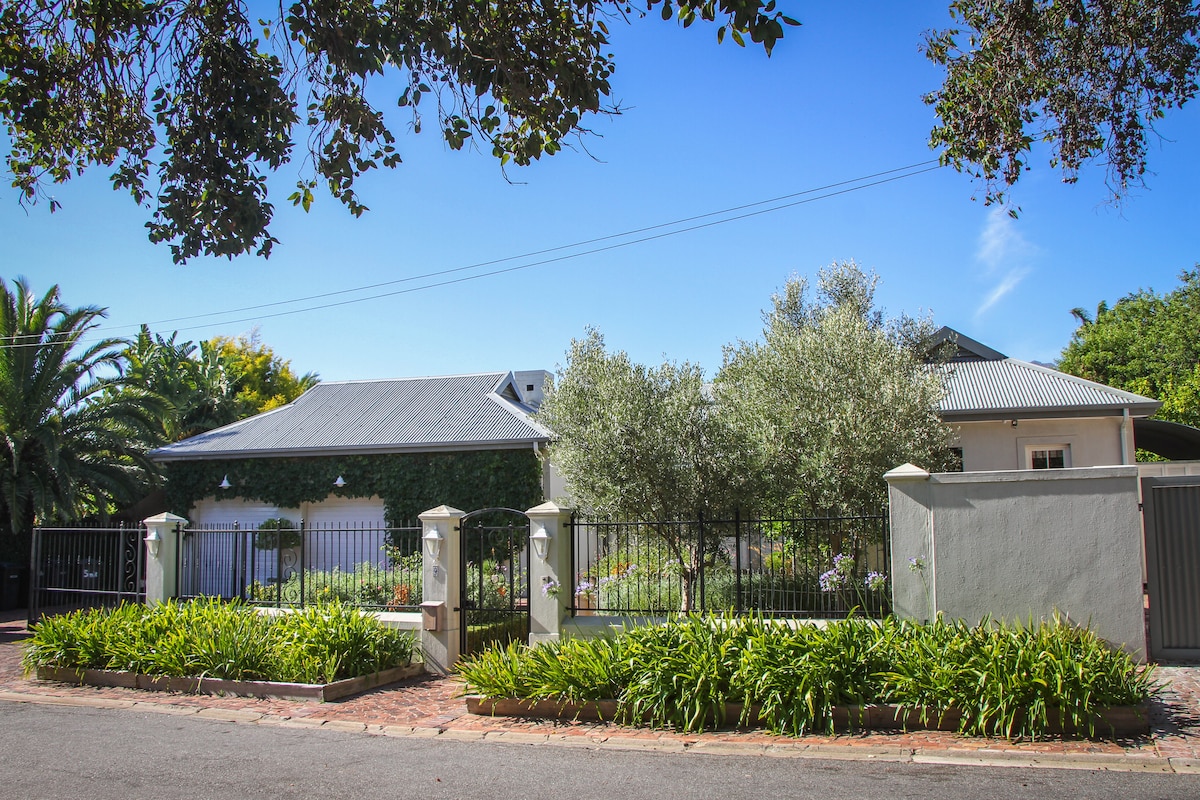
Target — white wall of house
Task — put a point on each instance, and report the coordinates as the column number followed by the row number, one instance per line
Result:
column 1021, row 544
column 998, row 445
column 554, row 486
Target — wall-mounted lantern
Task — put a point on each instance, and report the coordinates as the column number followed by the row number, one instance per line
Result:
column 153, row 542
column 224, row 484
column 340, row 482
column 433, row 543
column 541, row 543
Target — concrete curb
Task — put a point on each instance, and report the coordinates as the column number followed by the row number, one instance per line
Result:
column 1134, row 762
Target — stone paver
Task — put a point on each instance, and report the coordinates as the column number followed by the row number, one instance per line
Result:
column 429, row 706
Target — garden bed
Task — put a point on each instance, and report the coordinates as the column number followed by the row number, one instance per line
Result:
column 1117, row 721
column 699, row 672
column 271, row 690
column 207, row 646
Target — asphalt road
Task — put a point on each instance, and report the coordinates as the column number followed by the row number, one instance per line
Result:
column 52, row 752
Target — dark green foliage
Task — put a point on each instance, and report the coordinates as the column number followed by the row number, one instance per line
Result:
column 1089, row 77
column 1146, row 343
column 277, row 533
column 409, row 483
column 192, row 110
column 210, row 638
column 71, row 443
column 1006, row 680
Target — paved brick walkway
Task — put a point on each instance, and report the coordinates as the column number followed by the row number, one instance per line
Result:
column 430, row 706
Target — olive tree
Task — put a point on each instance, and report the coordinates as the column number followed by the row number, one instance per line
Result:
column 638, row 443
column 834, row 395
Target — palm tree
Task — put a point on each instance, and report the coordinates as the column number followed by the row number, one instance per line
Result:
column 198, row 392
column 72, row 440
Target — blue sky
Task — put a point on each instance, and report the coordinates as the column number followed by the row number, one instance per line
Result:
column 706, row 128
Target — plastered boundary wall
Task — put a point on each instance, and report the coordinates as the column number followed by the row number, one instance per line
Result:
column 1021, row 544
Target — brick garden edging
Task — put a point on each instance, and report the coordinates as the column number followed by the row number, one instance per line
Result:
column 1116, row 721
column 322, row 692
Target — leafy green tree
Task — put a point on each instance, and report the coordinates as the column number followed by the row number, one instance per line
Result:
column 1087, row 77
column 263, row 379
column 834, row 395
column 1147, row 343
column 192, row 104
column 196, row 388
column 72, row 442
column 638, row 443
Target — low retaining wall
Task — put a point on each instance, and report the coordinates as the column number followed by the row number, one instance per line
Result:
column 322, row 692
column 1117, row 721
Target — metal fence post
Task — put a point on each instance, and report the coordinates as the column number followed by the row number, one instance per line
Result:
column 737, row 560
column 303, row 561
column 700, row 538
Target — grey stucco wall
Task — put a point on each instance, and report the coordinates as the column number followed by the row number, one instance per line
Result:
column 1021, row 544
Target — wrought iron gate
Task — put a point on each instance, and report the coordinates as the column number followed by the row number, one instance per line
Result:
column 75, row 568
column 1172, row 526
column 494, row 600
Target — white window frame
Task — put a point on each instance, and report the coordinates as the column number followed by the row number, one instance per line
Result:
column 1030, row 449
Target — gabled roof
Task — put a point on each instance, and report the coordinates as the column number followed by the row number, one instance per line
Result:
column 965, row 348
column 985, row 384
column 455, row 412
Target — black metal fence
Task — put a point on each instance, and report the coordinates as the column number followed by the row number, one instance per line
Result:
column 85, row 567
column 372, row 567
column 814, row 567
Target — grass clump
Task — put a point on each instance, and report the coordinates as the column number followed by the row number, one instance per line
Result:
column 214, row 639
column 1004, row 679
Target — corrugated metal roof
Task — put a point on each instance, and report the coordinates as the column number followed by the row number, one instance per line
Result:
column 456, row 411
column 1011, row 385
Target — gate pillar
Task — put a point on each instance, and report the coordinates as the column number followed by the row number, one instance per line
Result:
column 162, row 556
column 551, row 583
column 441, row 547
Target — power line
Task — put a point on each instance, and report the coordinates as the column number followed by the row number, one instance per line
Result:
column 852, row 185
column 593, row 251
column 535, row 253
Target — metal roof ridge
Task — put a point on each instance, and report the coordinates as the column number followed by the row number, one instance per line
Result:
column 1075, row 379
column 486, row 374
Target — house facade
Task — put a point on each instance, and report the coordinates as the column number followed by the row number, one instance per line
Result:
column 1011, row 414
column 370, row 453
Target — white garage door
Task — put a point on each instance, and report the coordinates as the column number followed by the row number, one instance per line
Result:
column 344, row 532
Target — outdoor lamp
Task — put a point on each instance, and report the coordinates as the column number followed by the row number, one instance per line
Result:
column 224, row 484
column 433, row 542
column 541, row 542
column 340, row 482
column 153, row 542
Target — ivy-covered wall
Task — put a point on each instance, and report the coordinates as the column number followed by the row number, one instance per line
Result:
column 409, row 483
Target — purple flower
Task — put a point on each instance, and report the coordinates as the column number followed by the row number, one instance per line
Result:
column 875, row 581
column 831, row 581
